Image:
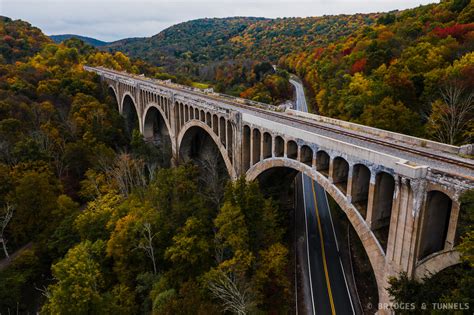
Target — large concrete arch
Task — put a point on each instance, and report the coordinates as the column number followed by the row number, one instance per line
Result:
column 137, row 109
column 214, row 137
column 125, row 94
column 163, row 115
column 369, row 241
column 171, row 133
column 436, row 262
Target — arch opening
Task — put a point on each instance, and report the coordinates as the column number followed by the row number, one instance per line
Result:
column 198, row 147
column 435, row 223
column 382, row 207
column 267, row 145
column 307, row 155
column 155, row 131
column 230, row 139
column 292, row 150
column 256, row 146
column 360, row 188
column 279, row 146
column 340, row 173
column 222, row 132
column 130, row 114
column 322, row 163
column 283, row 182
column 215, row 124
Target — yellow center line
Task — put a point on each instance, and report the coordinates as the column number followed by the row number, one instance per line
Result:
column 323, row 251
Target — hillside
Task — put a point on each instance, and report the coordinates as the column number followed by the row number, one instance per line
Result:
column 88, row 40
column 189, row 47
column 387, row 70
column 19, row 40
column 191, row 43
column 80, row 188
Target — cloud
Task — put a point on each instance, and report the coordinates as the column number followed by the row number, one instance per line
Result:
column 111, row 19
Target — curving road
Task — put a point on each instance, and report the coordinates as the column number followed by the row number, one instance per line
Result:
column 328, row 290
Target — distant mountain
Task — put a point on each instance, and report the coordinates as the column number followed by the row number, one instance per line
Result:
column 194, row 42
column 89, row 40
column 191, row 47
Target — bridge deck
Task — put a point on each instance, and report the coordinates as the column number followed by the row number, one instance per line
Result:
column 431, row 156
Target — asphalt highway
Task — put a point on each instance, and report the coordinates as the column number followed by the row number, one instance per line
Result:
column 327, row 283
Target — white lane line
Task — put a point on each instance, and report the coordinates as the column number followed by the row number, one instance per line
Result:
column 339, row 256
column 307, row 247
column 302, row 101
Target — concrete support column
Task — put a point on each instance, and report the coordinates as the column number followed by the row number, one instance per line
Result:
column 262, row 135
column 237, row 143
column 273, row 146
column 453, row 220
column 315, row 151
column 226, row 126
column 331, row 169
column 251, row 146
column 350, row 174
column 173, row 119
column 371, row 199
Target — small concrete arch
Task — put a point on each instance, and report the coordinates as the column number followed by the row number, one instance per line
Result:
column 306, row 155
column 370, row 243
column 360, row 187
column 292, row 149
column 267, row 145
column 147, row 124
column 380, row 211
column 222, row 131
column 215, row 124
column 246, row 148
column 436, row 262
column 208, row 119
column 322, row 162
column 279, row 147
column 256, row 145
column 186, row 113
column 340, row 173
column 230, row 139
column 435, row 223
column 198, row 124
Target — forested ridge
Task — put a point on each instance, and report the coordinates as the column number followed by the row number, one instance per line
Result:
column 93, row 218
column 402, row 71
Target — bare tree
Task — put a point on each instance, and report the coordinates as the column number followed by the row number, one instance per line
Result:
column 4, row 220
column 234, row 295
column 128, row 173
column 147, row 243
column 212, row 178
column 450, row 116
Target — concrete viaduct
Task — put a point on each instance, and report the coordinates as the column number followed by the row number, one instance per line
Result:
column 400, row 193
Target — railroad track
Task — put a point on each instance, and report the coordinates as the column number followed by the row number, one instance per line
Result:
column 235, row 103
column 342, row 132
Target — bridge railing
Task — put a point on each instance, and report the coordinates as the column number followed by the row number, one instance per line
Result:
column 181, row 88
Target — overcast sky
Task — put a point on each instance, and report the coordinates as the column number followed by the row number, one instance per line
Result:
column 115, row 19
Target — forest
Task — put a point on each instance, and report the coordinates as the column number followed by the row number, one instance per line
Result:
column 93, row 216
column 406, row 71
